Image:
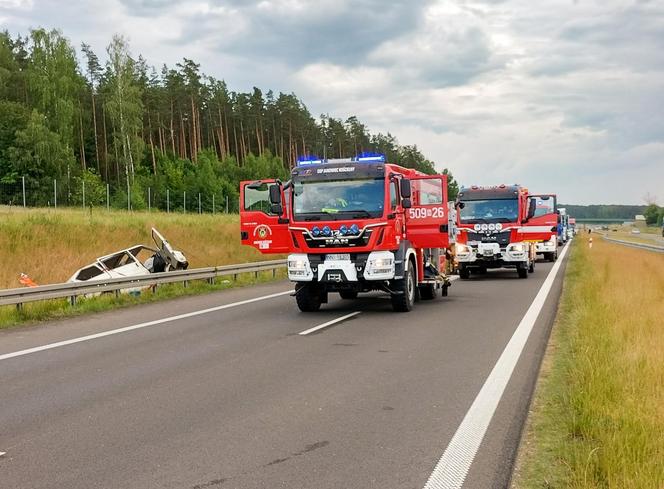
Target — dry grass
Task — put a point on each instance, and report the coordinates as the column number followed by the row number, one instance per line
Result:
column 50, row 245
column 598, row 415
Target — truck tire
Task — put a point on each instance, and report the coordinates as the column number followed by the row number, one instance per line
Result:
column 309, row 297
column 522, row 270
column 531, row 267
column 348, row 294
column 404, row 300
column 428, row 292
column 464, row 272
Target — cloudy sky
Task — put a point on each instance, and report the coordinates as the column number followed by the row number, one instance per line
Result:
column 563, row 96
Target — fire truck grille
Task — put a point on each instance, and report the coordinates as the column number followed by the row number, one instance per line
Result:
column 338, row 241
column 502, row 238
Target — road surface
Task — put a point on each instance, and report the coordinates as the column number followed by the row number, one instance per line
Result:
column 236, row 397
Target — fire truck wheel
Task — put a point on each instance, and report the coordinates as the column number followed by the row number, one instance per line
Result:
column 348, row 294
column 404, row 300
column 428, row 292
column 522, row 270
column 464, row 272
column 308, row 297
column 531, row 267
column 444, row 290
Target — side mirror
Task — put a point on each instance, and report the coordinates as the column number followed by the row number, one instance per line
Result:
column 405, row 189
column 275, row 194
column 460, row 205
column 275, row 200
column 532, row 208
column 405, row 203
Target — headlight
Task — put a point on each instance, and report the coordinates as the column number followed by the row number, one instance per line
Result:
column 297, row 264
column 484, row 227
column 381, row 262
column 492, row 227
column 519, row 247
column 499, row 226
column 477, row 227
column 462, row 249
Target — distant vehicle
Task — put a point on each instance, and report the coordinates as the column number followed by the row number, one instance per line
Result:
column 563, row 226
column 636, row 231
column 135, row 261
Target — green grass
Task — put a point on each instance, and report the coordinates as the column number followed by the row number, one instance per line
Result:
column 597, row 420
column 50, row 245
column 30, row 313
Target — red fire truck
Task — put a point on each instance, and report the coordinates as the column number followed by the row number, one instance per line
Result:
column 545, row 222
column 352, row 225
column 498, row 227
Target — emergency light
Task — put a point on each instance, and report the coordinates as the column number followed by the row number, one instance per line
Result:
column 361, row 158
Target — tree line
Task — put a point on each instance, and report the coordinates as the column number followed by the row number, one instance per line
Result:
column 125, row 123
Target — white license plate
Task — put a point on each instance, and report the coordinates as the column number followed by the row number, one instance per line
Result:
column 338, row 256
column 487, row 252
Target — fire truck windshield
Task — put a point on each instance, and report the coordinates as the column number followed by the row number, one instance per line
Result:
column 338, row 199
column 487, row 211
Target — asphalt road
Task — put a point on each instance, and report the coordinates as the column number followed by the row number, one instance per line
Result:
column 236, row 398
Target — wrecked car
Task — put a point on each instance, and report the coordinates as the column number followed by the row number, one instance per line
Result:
column 136, row 261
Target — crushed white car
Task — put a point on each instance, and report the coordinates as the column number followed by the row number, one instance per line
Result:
column 136, row 261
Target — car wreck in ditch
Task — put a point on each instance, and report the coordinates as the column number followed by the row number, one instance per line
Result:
column 136, row 261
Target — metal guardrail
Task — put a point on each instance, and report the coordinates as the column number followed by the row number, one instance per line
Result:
column 633, row 244
column 72, row 290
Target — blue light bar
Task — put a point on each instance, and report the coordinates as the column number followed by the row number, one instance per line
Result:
column 309, row 160
column 361, row 158
column 369, row 157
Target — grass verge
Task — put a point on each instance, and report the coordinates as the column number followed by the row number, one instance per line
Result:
column 597, row 419
column 33, row 312
column 51, row 244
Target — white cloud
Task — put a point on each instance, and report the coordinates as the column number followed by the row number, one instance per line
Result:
column 561, row 96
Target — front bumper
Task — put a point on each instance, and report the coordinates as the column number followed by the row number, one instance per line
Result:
column 547, row 246
column 492, row 254
column 323, row 268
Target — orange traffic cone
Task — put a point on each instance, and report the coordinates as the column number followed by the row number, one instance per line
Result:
column 27, row 281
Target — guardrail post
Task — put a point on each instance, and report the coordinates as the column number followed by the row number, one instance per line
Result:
column 19, row 307
column 72, row 300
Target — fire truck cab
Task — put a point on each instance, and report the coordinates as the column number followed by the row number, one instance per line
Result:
column 492, row 231
column 352, row 225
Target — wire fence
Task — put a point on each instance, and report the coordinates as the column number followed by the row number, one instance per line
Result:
column 24, row 193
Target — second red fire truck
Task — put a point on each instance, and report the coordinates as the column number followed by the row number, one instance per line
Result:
column 350, row 226
column 499, row 226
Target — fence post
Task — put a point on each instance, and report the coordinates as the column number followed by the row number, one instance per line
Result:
column 108, row 197
column 199, row 202
column 184, row 202
column 149, row 195
column 168, row 201
column 55, row 193
column 23, row 181
column 83, row 183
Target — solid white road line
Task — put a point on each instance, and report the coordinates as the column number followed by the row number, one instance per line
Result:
column 329, row 323
column 139, row 326
column 452, row 468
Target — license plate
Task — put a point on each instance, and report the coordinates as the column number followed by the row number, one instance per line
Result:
column 487, row 252
column 338, row 257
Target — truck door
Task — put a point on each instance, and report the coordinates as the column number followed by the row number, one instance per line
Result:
column 543, row 224
column 260, row 228
column 426, row 220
